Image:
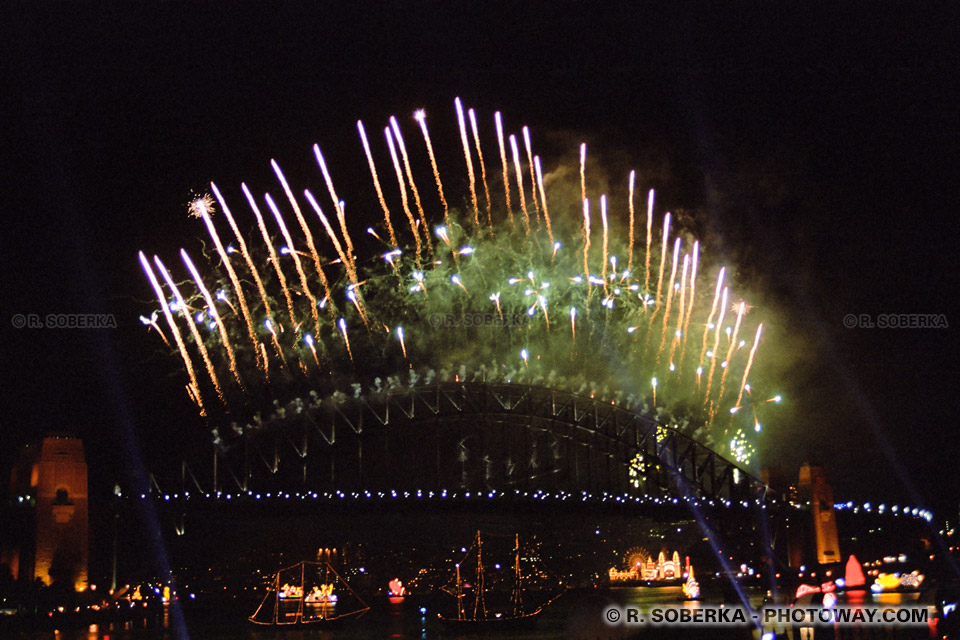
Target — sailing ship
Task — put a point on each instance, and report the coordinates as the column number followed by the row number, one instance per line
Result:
column 305, row 594
column 479, row 615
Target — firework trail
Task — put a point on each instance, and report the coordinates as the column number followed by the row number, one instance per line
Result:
column 193, row 387
column 533, row 181
column 272, row 253
column 516, row 164
column 243, row 250
column 503, row 161
column 182, row 306
column 716, row 344
column 152, row 322
column 483, row 166
column 746, row 370
column 213, row 313
column 341, row 217
column 310, row 242
column 586, row 240
column 646, row 276
column 200, row 208
column 346, row 339
column 421, row 117
column 333, row 238
column 403, row 196
column 693, row 290
column 726, row 362
column 631, row 180
column 296, row 261
column 663, row 262
column 413, row 185
column 603, row 222
column 583, row 170
column 466, row 155
column 713, row 310
column 376, row 184
column 678, row 332
column 670, row 290
column 543, row 198
column 403, row 345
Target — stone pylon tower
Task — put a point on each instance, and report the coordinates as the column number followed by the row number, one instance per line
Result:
column 813, row 486
column 50, row 484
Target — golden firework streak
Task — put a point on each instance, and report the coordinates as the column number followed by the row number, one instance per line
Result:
column 716, row 344
column 243, row 250
column 376, row 184
column 543, row 197
column 403, row 196
column 274, row 260
column 693, row 289
column 603, row 222
column 663, row 262
column 234, row 280
column 318, row 267
column 503, row 161
column 413, row 185
column 212, row 311
column 193, row 327
column 733, row 344
column 349, row 263
column 646, row 276
column 670, row 289
column 583, row 170
column 713, row 310
column 631, row 181
column 466, row 155
column 516, row 165
column 421, row 117
column 483, row 166
column 193, row 387
column 296, row 260
column 533, row 180
column 746, row 371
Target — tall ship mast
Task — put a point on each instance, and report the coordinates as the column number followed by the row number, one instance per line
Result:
column 481, row 615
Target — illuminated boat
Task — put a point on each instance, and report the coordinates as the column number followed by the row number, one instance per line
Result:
column 396, row 591
column 480, row 616
column 691, row 588
column 304, row 594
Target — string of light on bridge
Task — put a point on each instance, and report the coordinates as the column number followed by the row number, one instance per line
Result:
column 540, row 495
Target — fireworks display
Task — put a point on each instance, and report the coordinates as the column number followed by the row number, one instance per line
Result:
column 483, row 294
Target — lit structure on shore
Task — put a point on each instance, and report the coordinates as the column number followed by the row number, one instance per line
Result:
column 641, row 567
column 50, row 485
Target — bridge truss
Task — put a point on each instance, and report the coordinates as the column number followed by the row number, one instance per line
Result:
column 468, row 437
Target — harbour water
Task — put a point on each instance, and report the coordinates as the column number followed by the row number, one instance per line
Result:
column 577, row 615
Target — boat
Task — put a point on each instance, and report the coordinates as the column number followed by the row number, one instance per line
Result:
column 480, row 616
column 303, row 594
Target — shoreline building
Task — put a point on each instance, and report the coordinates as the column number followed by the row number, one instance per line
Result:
column 48, row 489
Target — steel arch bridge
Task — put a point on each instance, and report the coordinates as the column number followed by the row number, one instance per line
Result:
column 468, row 437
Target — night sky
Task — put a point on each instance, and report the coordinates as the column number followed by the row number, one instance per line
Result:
column 819, row 148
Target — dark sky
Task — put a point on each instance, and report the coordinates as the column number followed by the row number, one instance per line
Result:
column 819, row 145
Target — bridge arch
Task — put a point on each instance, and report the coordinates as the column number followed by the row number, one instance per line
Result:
column 471, row 437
